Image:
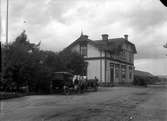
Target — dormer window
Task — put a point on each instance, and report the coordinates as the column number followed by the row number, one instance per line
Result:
column 83, row 49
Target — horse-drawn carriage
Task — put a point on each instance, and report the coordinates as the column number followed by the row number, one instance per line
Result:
column 68, row 83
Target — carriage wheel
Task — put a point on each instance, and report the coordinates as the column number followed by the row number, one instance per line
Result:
column 67, row 91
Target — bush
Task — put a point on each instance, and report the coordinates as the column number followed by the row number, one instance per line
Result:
column 140, row 81
column 145, row 80
column 8, row 95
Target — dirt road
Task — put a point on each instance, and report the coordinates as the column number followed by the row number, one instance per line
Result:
column 108, row 104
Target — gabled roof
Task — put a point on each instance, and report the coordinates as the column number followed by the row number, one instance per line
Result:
column 82, row 38
column 113, row 45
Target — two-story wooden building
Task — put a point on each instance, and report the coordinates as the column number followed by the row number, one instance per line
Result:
column 110, row 60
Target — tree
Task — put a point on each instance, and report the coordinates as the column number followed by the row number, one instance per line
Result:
column 164, row 2
column 53, row 61
column 24, row 64
column 73, row 62
column 20, row 62
column 165, row 46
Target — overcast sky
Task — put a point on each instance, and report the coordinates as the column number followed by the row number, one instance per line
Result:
column 57, row 23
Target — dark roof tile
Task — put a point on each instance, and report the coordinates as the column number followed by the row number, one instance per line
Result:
column 113, row 45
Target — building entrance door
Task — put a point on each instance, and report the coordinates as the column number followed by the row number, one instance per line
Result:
column 111, row 73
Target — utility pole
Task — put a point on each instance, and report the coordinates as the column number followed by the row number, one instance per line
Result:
column 7, row 11
column 0, row 21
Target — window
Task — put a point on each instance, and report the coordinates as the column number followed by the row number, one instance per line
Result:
column 123, row 54
column 130, row 72
column 130, row 57
column 112, row 55
column 117, row 71
column 83, row 49
column 123, row 71
column 111, row 65
column 85, row 69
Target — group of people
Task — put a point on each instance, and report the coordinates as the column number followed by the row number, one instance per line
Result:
column 77, row 79
column 81, row 82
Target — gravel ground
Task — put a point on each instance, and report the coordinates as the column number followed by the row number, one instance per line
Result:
column 108, row 104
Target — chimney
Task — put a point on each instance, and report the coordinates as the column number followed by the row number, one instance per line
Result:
column 126, row 36
column 105, row 37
